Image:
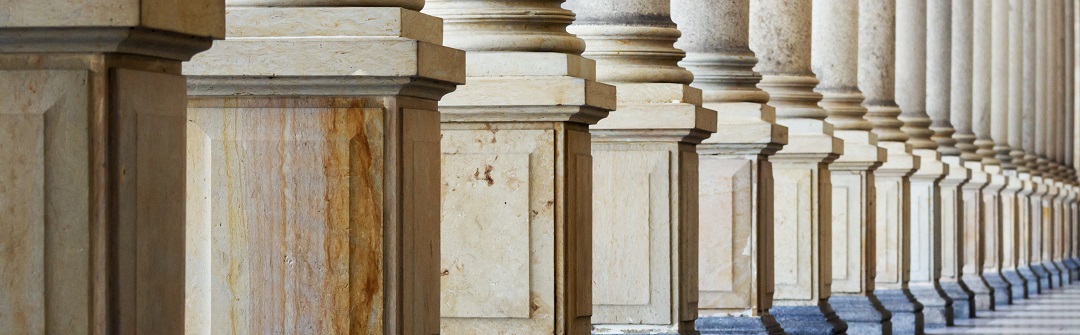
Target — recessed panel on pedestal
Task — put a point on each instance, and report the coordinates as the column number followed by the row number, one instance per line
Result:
column 726, row 233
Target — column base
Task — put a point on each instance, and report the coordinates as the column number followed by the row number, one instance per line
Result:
column 1044, row 275
column 1054, row 272
column 1066, row 274
column 863, row 314
column 1031, row 279
column 1074, row 268
column 1017, row 285
column 1002, row 288
column 809, row 320
column 982, row 291
column 1068, row 269
column 937, row 306
column 907, row 316
column 741, row 325
column 962, row 297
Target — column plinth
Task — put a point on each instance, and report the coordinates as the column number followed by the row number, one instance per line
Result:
column 316, row 170
column 736, row 184
column 952, row 238
column 518, row 170
column 92, row 164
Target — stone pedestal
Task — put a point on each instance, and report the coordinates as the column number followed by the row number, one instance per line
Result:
column 92, row 165
column 1039, row 234
column 1010, row 236
column 952, row 238
column 645, row 206
column 735, row 204
column 1025, row 235
column 974, row 237
column 926, row 239
column 993, row 226
column 1057, row 203
column 314, row 176
column 1049, row 231
column 893, row 239
column 517, row 170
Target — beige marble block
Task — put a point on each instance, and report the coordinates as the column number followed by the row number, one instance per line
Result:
column 953, row 219
column 993, row 218
column 927, row 217
column 517, row 217
column 1011, row 218
column 645, row 206
column 92, row 184
column 736, row 248
column 802, row 231
column 315, row 173
column 893, row 216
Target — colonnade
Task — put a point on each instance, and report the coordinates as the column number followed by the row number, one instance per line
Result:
column 533, row 166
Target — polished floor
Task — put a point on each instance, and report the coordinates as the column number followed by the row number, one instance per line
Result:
column 1053, row 312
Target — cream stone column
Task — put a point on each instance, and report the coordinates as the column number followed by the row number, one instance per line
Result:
column 1033, row 188
column 313, row 179
column 989, row 98
column 962, row 90
column 1023, row 152
column 1069, row 142
column 1046, row 153
column 939, row 107
column 517, row 170
column 925, row 197
column 835, row 58
column 1006, row 122
column 92, row 163
column 645, row 170
column 780, row 35
column 1058, row 141
column 1038, row 164
column 735, row 264
column 877, row 71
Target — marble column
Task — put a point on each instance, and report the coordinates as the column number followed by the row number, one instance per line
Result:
column 989, row 98
column 834, row 59
column 1041, row 214
column 517, row 170
column 877, row 71
column 962, row 90
column 1046, row 154
column 939, row 108
column 780, row 36
column 1069, row 141
column 1021, row 136
column 925, row 197
column 1058, row 142
column 735, row 264
column 1033, row 188
column 1006, row 122
column 92, row 163
column 314, row 176
column 645, row 170
column 1063, row 144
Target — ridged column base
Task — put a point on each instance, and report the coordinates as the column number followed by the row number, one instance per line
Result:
column 864, row 314
column 907, row 312
column 937, row 306
column 741, row 325
column 809, row 320
column 962, row 297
